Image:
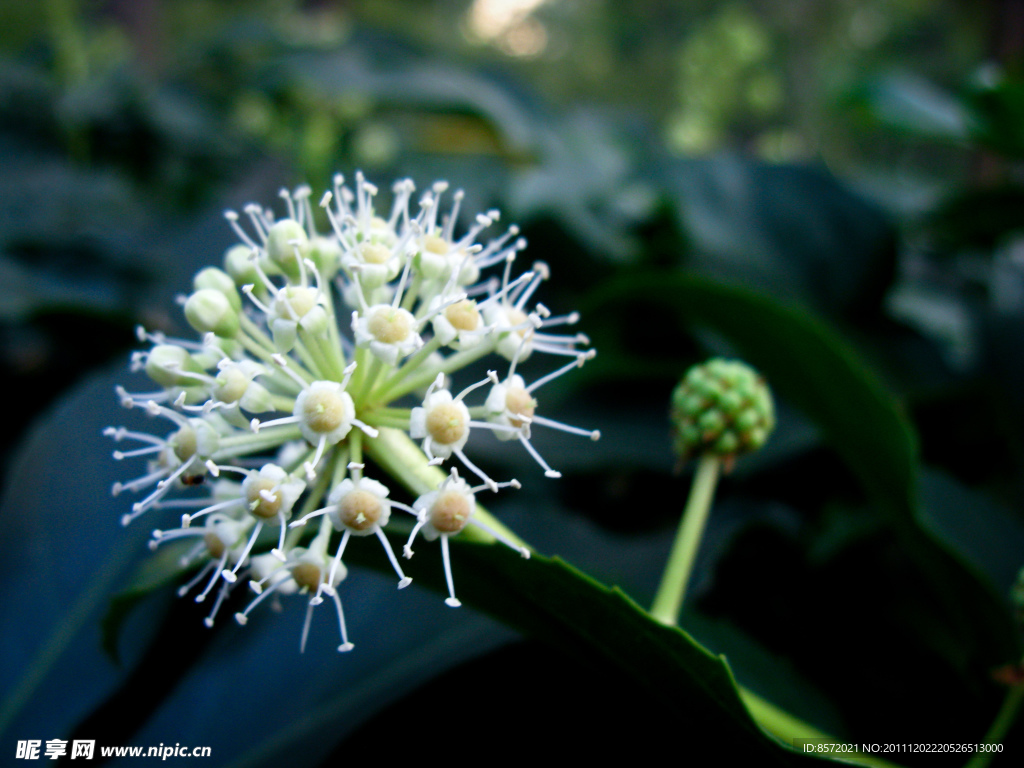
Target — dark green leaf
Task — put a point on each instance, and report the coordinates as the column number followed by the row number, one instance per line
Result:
column 980, row 218
column 792, row 230
column 550, row 599
column 985, row 534
column 998, row 109
column 765, row 673
column 154, row 573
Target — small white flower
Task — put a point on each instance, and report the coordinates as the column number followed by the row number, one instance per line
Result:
column 294, row 307
column 304, row 571
column 271, row 493
column 222, row 542
column 268, row 497
column 510, row 405
column 389, row 332
column 372, row 262
column 325, row 411
column 458, row 324
column 443, row 424
column 446, row 512
column 268, row 569
column 180, row 457
column 360, row 507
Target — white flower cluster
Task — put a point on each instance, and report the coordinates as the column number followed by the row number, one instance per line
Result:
column 271, row 413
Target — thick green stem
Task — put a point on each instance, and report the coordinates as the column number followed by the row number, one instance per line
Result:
column 256, row 334
column 669, row 599
column 396, row 453
column 383, row 420
column 282, row 403
column 252, row 442
column 307, row 346
column 368, row 380
column 429, row 373
column 268, row 358
column 410, row 365
column 333, row 344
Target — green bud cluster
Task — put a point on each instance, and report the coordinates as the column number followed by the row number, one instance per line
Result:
column 722, row 406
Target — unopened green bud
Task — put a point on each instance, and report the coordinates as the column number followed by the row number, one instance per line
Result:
column 230, row 385
column 286, row 244
column 218, row 280
column 194, row 438
column 722, row 406
column 238, row 263
column 257, row 399
column 170, row 365
column 209, row 310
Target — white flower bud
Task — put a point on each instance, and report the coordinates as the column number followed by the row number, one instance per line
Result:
column 239, row 265
column 316, row 321
column 286, row 244
column 208, row 310
column 218, row 280
column 169, row 365
column 257, row 399
column 284, row 333
column 295, row 305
